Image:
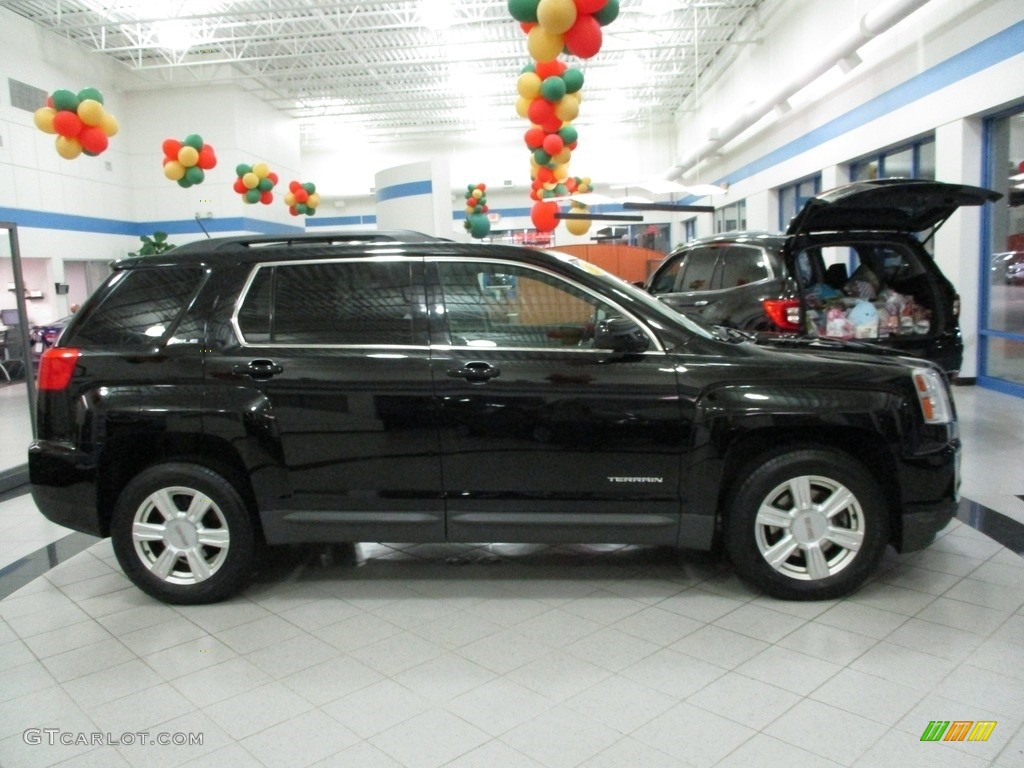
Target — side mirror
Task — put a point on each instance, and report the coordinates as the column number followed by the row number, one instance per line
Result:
column 620, row 335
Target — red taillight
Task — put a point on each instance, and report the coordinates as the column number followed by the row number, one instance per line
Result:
column 55, row 368
column 784, row 313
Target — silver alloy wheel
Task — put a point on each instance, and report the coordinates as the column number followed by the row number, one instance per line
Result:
column 810, row 527
column 180, row 535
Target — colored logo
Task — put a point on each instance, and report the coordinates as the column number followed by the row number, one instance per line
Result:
column 958, row 730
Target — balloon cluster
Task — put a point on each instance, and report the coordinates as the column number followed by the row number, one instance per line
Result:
column 186, row 162
column 477, row 223
column 552, row 26
column 550, row 93
column 79, row 121
column 255, row 182
column 301, row 199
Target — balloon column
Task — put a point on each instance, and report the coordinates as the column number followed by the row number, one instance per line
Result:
column 550, row 93
column 186, row 162
column 301, row 199
column 477, row 223
column 255, row 182
column 79, row 121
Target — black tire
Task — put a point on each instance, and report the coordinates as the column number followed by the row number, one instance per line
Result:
column 804, row 557
column 203, row 560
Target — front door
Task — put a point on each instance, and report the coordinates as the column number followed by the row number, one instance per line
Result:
column 543, row 436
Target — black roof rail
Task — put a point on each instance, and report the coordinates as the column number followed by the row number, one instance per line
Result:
column 327, row 238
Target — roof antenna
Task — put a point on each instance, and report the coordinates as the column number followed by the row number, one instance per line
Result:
column 200, row 223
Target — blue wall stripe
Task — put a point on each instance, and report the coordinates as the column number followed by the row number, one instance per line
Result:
column 339, row 221
column 408, row 189
column 989, row 52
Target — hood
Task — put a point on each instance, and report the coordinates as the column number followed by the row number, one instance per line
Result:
column 886, row 205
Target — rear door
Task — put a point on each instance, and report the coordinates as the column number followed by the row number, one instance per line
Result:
column 544, row 437
column 332, row 358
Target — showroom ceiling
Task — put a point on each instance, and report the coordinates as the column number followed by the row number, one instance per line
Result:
column 404, row 69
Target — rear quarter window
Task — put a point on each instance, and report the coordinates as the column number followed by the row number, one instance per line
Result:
column 140, row 307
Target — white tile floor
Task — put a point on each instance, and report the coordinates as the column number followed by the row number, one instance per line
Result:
column 506, row 656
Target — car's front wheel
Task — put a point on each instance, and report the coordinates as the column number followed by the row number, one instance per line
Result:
column 810, row 524
column 182, row 533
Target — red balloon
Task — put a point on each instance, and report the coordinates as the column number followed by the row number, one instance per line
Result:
column 584, row 38
column 540, row 111
column 526, row 26
column 545, row 175
column 543, row 216
column 67, row 124
column 267, row 197
column 553, row 68
column 553, row 144
column 589, row 6
column 482, row 187
column 93, row 139
column 534, row 137
column 239, row 187
column 207, row 158
column 273, row 177
column 171, row 148
column 293, row 185
column 301, row 195
column 552, row 125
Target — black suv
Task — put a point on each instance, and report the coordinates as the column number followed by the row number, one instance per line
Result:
column 850, row 266
column 246, row 391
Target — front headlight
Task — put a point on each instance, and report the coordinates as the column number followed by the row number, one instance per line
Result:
column 933, row 396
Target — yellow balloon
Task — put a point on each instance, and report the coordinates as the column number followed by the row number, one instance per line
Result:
column 289, row 199
column 250, row 180
column 556, row 16
column 528, row 85
column 563, row 157
column 67, row 148
column 91, row 112
column 578, row 226
column 560, row 172
column 174, row 170
column 261, row 170
column 567, row 108
column 470, row 210
column 543, row 45
column 109, row 124
column 188, row 156
column 523, row 106
column 313, row 201
column 43, row 119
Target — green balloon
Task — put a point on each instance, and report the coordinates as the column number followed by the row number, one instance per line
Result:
column 310, row 187
column 524, row 10
column 531, row 67
column 479, row 225
column 265, row 185
column 184, row 183
column 310, row 211
column 195, row 175
column 90, row 93
column 608, row 14
column 553, row 88
column 568, row 134
column 541, row 157
column 561, row 190
column 193, row 140
column 252, row 195
column 241, row 169
column 301, row 208
column 573, row 80
column 64, row 99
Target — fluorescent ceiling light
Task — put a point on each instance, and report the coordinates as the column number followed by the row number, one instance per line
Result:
column 662, row 186
column 704, row 190
column 175, row 35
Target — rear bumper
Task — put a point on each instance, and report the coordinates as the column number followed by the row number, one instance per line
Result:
column 921, row 523
column 64, row 486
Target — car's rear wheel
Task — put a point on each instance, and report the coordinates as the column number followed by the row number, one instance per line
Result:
column 182, row 533
column 810, row 524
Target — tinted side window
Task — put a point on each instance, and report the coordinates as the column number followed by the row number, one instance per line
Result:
column 743, row 264
column 699, row 270
column 357, row 302
column 665, row 282
column 499, row 305
column 141, row 306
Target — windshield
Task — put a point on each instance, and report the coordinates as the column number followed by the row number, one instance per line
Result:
column 631, row 296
